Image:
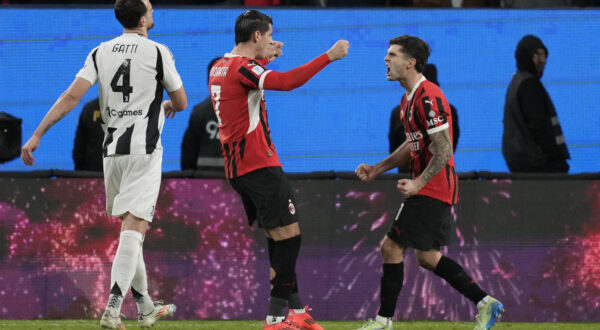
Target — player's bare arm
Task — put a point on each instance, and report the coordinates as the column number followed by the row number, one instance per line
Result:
column 177, row 102
column 400, row 157
column 441, row 150
column 63, row 105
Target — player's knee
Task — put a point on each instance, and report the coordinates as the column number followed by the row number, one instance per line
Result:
column 391, row 252
column 425, row 262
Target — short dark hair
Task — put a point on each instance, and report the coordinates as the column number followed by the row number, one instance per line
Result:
column 414, row 48
column 129, row 12
column 249, row 22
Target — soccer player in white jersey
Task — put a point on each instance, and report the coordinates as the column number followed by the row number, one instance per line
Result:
column 131, row 72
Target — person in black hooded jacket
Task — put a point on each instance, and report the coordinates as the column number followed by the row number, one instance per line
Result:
column 533, row 140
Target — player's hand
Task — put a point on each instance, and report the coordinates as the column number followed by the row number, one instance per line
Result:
column 339, row 50
column 168, row 107
column 408, row 187
column 366, row 172
column 275, row 50
column 27, row 150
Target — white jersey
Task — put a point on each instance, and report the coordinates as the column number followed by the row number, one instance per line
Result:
column 131, row 72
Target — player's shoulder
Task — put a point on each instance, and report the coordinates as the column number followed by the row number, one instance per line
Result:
column 164, row 49
column 429, row 90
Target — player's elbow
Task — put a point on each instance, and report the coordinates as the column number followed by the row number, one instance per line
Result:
column 178, row 99
column 290, row 85
column 179, row 105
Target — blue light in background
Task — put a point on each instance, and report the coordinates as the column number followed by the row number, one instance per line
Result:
column 341, row 117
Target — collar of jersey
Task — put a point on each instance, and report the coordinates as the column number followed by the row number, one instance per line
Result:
column 133, row 34
column 409, row 96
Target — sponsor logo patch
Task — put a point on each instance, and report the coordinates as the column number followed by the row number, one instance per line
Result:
column 258, row 70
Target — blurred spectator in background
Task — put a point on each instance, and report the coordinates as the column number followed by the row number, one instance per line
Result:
column 201, row 147
column 396, row 134
column 87, row 149
column 533, row 140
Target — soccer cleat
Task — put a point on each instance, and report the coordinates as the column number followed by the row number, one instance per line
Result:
column 160, row 310
column 111, row 322
column 304, row 320
column 488, row 314
column 285, row 325
column 374, row 325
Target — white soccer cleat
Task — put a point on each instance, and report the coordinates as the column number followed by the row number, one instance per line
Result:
column 160, row 310
column 111, row 322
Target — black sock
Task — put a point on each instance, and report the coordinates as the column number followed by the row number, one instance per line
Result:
column 270, row 248
column 294, row 301
column 136, row 295
column 456, row 276
column 116, row 290
column 277, row 307
column 285, row 253
column 391, row 284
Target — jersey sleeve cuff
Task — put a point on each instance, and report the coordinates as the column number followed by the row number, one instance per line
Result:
column 83, row 76
column 261, row 81
column 437, row 129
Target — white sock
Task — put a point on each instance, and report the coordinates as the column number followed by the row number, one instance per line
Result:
column 300, row 311
column 114, row 305
column 139, row 283
column 124, row 265
column 274, row 319
column 387, row 321
column 482, row 302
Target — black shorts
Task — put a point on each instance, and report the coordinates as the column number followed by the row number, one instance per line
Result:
column 267, row 197
column 422, row 222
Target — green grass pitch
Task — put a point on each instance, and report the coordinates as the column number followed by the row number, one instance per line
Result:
column 253, row 325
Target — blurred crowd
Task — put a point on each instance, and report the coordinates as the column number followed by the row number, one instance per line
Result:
column 338, row 3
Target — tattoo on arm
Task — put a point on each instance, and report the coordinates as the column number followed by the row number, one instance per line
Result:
column 441, row 148
column 51, row 122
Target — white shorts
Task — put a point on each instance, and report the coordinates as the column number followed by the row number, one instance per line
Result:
column 132, row 184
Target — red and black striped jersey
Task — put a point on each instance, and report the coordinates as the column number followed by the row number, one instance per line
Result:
column 237, row 94
column 423, row 112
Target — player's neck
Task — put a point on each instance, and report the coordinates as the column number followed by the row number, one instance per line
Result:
column 411, row 81
column 245, row 50
column 138, row 30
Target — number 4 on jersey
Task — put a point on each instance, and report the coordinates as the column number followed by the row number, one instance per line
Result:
column 125, row 88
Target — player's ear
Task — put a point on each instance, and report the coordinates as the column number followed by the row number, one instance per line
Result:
column 256, row 36
column 142, row 22
column 412, row 62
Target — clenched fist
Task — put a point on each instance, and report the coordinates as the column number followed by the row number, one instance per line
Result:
column 339, row 50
